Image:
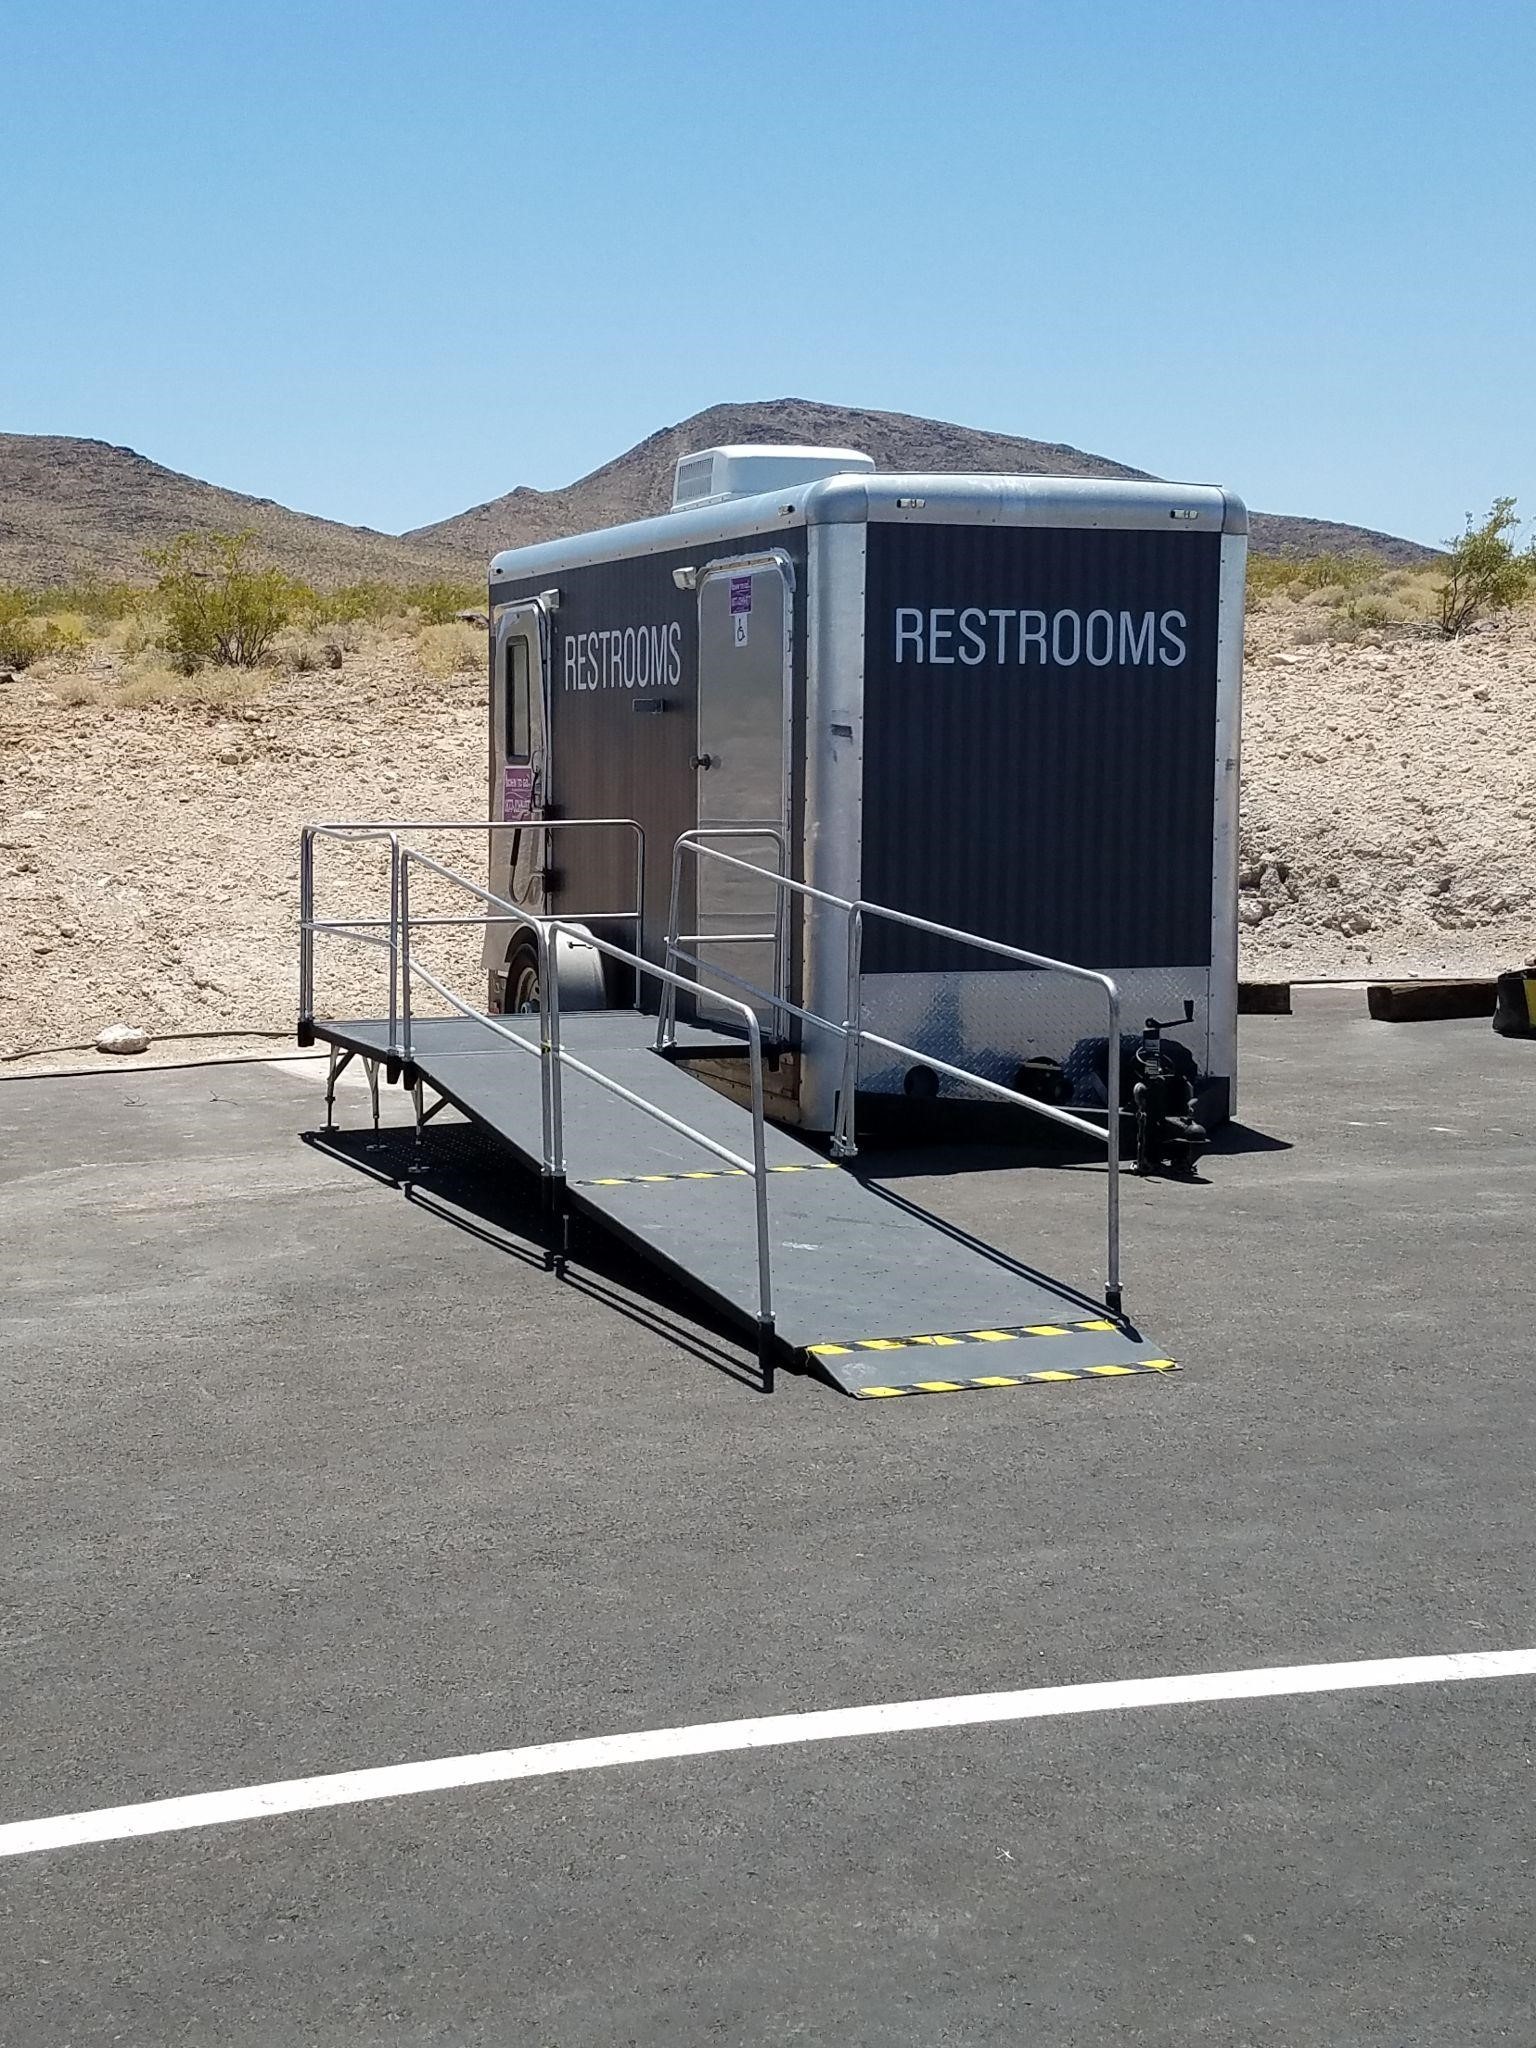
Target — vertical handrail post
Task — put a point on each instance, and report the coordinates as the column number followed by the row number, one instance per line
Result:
column 549, row 974
column 639, row 897
column 306, row 927
column 546, row 1085
column 845, row 1137
column 403, row 871
column 666, row 1014
column 549, row 1095
column 557, row 1101
column 394, row 941
column 780, row 933
column 760, row 1190
column 1112, row 1295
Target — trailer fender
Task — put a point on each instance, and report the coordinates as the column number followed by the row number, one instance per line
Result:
column 583, row 986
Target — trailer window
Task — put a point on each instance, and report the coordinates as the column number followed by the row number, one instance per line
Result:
column 519, row 738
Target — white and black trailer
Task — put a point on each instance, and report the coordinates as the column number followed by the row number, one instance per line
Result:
column 1007, row 704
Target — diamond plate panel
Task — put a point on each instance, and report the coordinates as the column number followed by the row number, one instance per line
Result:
column 990, row 1021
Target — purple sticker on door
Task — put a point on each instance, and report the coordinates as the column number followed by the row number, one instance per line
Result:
column 741, row 594
column 516, row 792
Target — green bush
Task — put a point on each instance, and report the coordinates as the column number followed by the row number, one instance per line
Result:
column 100, row 603
column 1302, row 575
column 354, row 604
column 218, row 605
column 22, row 639
column 1484, row 572
column 439, row 604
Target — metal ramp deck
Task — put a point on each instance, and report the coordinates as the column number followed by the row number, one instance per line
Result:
column 883, row 1298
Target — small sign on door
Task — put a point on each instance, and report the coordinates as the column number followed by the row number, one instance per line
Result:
column 516, row 792
column 741, row 608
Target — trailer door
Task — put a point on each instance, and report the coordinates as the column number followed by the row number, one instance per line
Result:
column 745, row 613
column 519, row 765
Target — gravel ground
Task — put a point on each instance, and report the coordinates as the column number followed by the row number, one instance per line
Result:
column 1389, row 806
column 149, row 856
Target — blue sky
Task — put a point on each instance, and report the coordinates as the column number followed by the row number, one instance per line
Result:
column 383, row 261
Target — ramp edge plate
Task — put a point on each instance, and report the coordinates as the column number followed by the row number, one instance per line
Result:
column 878, row 1368
column 1022, row 1379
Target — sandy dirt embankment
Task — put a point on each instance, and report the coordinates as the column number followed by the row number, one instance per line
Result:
column 149, row 856
column 1389, row 802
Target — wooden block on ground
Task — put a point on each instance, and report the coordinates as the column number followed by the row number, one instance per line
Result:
column 1264, row 999
column 1421, row 1002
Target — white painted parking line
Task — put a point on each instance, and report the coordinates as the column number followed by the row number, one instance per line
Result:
column 713, row 1738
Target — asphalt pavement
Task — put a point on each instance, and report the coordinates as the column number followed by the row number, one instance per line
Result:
column 306, row 1473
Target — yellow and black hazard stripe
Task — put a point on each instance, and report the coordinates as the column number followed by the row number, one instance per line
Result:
column 634, row 1180
column 949, row 1339
column 1019, row 1379
column 943, row 1340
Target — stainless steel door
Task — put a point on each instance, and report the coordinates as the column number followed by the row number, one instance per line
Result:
column 745, row 612
column 519, row 765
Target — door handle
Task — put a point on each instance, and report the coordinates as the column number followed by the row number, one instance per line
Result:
column 702, row 761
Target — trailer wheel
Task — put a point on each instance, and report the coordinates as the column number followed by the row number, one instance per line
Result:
column 522, row 997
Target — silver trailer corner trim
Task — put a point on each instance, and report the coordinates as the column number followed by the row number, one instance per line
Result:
column 834, row 792
column 1221, row 1056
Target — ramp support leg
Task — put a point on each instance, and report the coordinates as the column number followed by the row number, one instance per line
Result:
column 557, row 1225
column 371, row 1069
column 418, row 1159
column 339, row 1062
column 765, row 1344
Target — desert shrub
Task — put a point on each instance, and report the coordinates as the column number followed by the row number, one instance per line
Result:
column 1484, row 572
column 76, row 691
column 439, row 604
column 150, row 683
column 67, row 632
column 355, row 604
column 96, row 604
column 1305, row 576
column 135, row 633
column 448, row 650
column 147, row 681
column 219, row 607
column 22, row 638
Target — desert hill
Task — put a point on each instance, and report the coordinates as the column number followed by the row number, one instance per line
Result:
column 639, row 482
column 73, row 508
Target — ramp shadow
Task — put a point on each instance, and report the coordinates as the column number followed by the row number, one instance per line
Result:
column 461, row 1176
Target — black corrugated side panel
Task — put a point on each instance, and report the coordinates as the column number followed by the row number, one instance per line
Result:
column 1066, row 809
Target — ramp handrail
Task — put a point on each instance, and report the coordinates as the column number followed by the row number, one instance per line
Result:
column 389, row 831
column 778, row 937
column 554, row 1058
column 854, row 1033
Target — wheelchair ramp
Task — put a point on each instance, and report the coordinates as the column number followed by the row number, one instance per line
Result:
column 884, row 1298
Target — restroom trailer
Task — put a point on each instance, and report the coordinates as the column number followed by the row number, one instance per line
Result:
column 1007, row 705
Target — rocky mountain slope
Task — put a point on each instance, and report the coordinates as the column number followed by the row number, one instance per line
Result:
column 71, row 508
column 639, row 482
column 74, row 508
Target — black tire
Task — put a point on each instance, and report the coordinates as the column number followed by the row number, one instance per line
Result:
column 522, row 992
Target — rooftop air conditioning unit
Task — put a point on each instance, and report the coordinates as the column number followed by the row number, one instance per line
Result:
column 751, row 470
